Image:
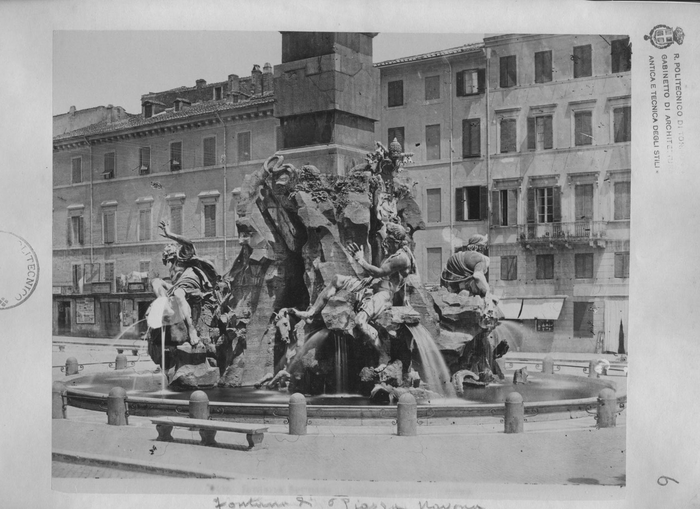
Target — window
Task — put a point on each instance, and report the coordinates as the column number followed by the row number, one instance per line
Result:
column 109, row 226
column 582, row 61
column 397, row 133
column 432, row 142
column 621, row 55
column 545, row 266
column 471, row 203
column 432, row 88
column 144, row 160
column 505, row 207
column 543, row 67
column 77, row 174
column 509, row 268
column 583, row 265
column 178, row 105
column 583, row 130
column 471, row 82
column 145, row 266
column 395, row 93
column 109, row 272
column 75, row 231
column 583, row 320
column 244, row 147
column 209, row 149
column 210, row 220
column 622, row 265
column 508, row 75
column 434, row 258
column 145, row 224
column 218, row 93
column 434, row 205
column 583, row 202
column 176, row 219
column 77, row 277
column 545, row 204
column 622, row 201
column 539, row 133
column 176, row 156
column 471, row 138
column 108, row 172
column 622, row 120
column 508, row 135
column 148, row 111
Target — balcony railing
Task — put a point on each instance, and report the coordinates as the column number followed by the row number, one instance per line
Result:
column 562, row 232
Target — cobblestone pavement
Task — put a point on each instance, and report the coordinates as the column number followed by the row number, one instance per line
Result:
column 68, row 469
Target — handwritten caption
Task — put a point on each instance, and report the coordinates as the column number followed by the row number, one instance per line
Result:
column 666, row 88
column 338, row 502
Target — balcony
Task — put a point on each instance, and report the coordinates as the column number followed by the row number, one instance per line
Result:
column 563, row 234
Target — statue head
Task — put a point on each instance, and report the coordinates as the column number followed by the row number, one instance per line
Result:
column 396, row 237
column 171, row 259
column 477, row 243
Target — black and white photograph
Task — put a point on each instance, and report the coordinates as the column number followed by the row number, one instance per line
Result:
column 356, row 264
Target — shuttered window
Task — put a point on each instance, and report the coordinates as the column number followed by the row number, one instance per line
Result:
column 209, row 147
column 544, row 204
column 109, row 159
column 144, row 160
column 471, row 138
column 539, row 133
column 583, row 130
column 622, row 120
column 583, row 320
column 109, row 272
column 508, row 74
column 396, row 133
column 582, row 61
column 210, row 220
column 108, row 226
column 583, row 265
column 432, row 88
column 545, row 266
column 176, row 219
column 621, row 53
column 395, row 93
column 77, row 167
column 144, row 265
column 145, row 224
column 471, row 203
column 434, row 205
column 622, row 265
column 434, row 259
column 75, row 230
column 471, row 82
column 584, row 202
column 432, row 142
column 509, row 268
column 176, row 156
column 508, row 135
column 244, row 147
column 504, row 204
column 622, row 200
column 543, row 67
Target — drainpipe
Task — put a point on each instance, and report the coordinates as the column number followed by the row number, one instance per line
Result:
column 91, row 203
column 488, row 152
column 225, row 185
column 452, row 194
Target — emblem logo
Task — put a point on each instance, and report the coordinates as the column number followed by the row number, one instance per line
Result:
column 20, row 273
column 663, row 36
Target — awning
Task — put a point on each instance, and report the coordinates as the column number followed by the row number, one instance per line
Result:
column 541, row 308
column 510, row 308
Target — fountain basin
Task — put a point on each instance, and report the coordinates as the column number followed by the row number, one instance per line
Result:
column 546, row 397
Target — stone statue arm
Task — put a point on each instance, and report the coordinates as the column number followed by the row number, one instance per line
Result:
column 389, row 266
column 168, row 234
column 481, row 282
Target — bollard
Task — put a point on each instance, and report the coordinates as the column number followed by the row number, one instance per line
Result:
column 607, row 409
column 71, row 366
column 297, row 414
column 515, row 413
column 58, row 407
column 199, row 409
column 407, row 416
column 591, row 370
column 548, row 365
column 120, row 362
column 116, row 407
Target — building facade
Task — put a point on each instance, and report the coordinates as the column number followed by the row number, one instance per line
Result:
column 524, row 138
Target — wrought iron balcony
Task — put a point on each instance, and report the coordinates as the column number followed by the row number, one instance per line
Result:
column 576, row 231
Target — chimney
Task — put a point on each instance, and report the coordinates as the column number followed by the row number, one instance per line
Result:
column 201, row 83
column 234, row 87
column 256, row 76
column 72, row 110
column 110, row 113
column 267, row 78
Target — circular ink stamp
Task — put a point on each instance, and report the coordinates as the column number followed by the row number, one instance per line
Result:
column 20, row 270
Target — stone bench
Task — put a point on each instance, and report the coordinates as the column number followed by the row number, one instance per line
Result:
column 207, row 429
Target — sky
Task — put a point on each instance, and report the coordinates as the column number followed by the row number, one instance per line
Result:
column 97, row 68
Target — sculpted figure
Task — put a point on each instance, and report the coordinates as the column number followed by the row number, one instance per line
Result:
column 190, row 292
column 383, row 282
column 467, row 269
